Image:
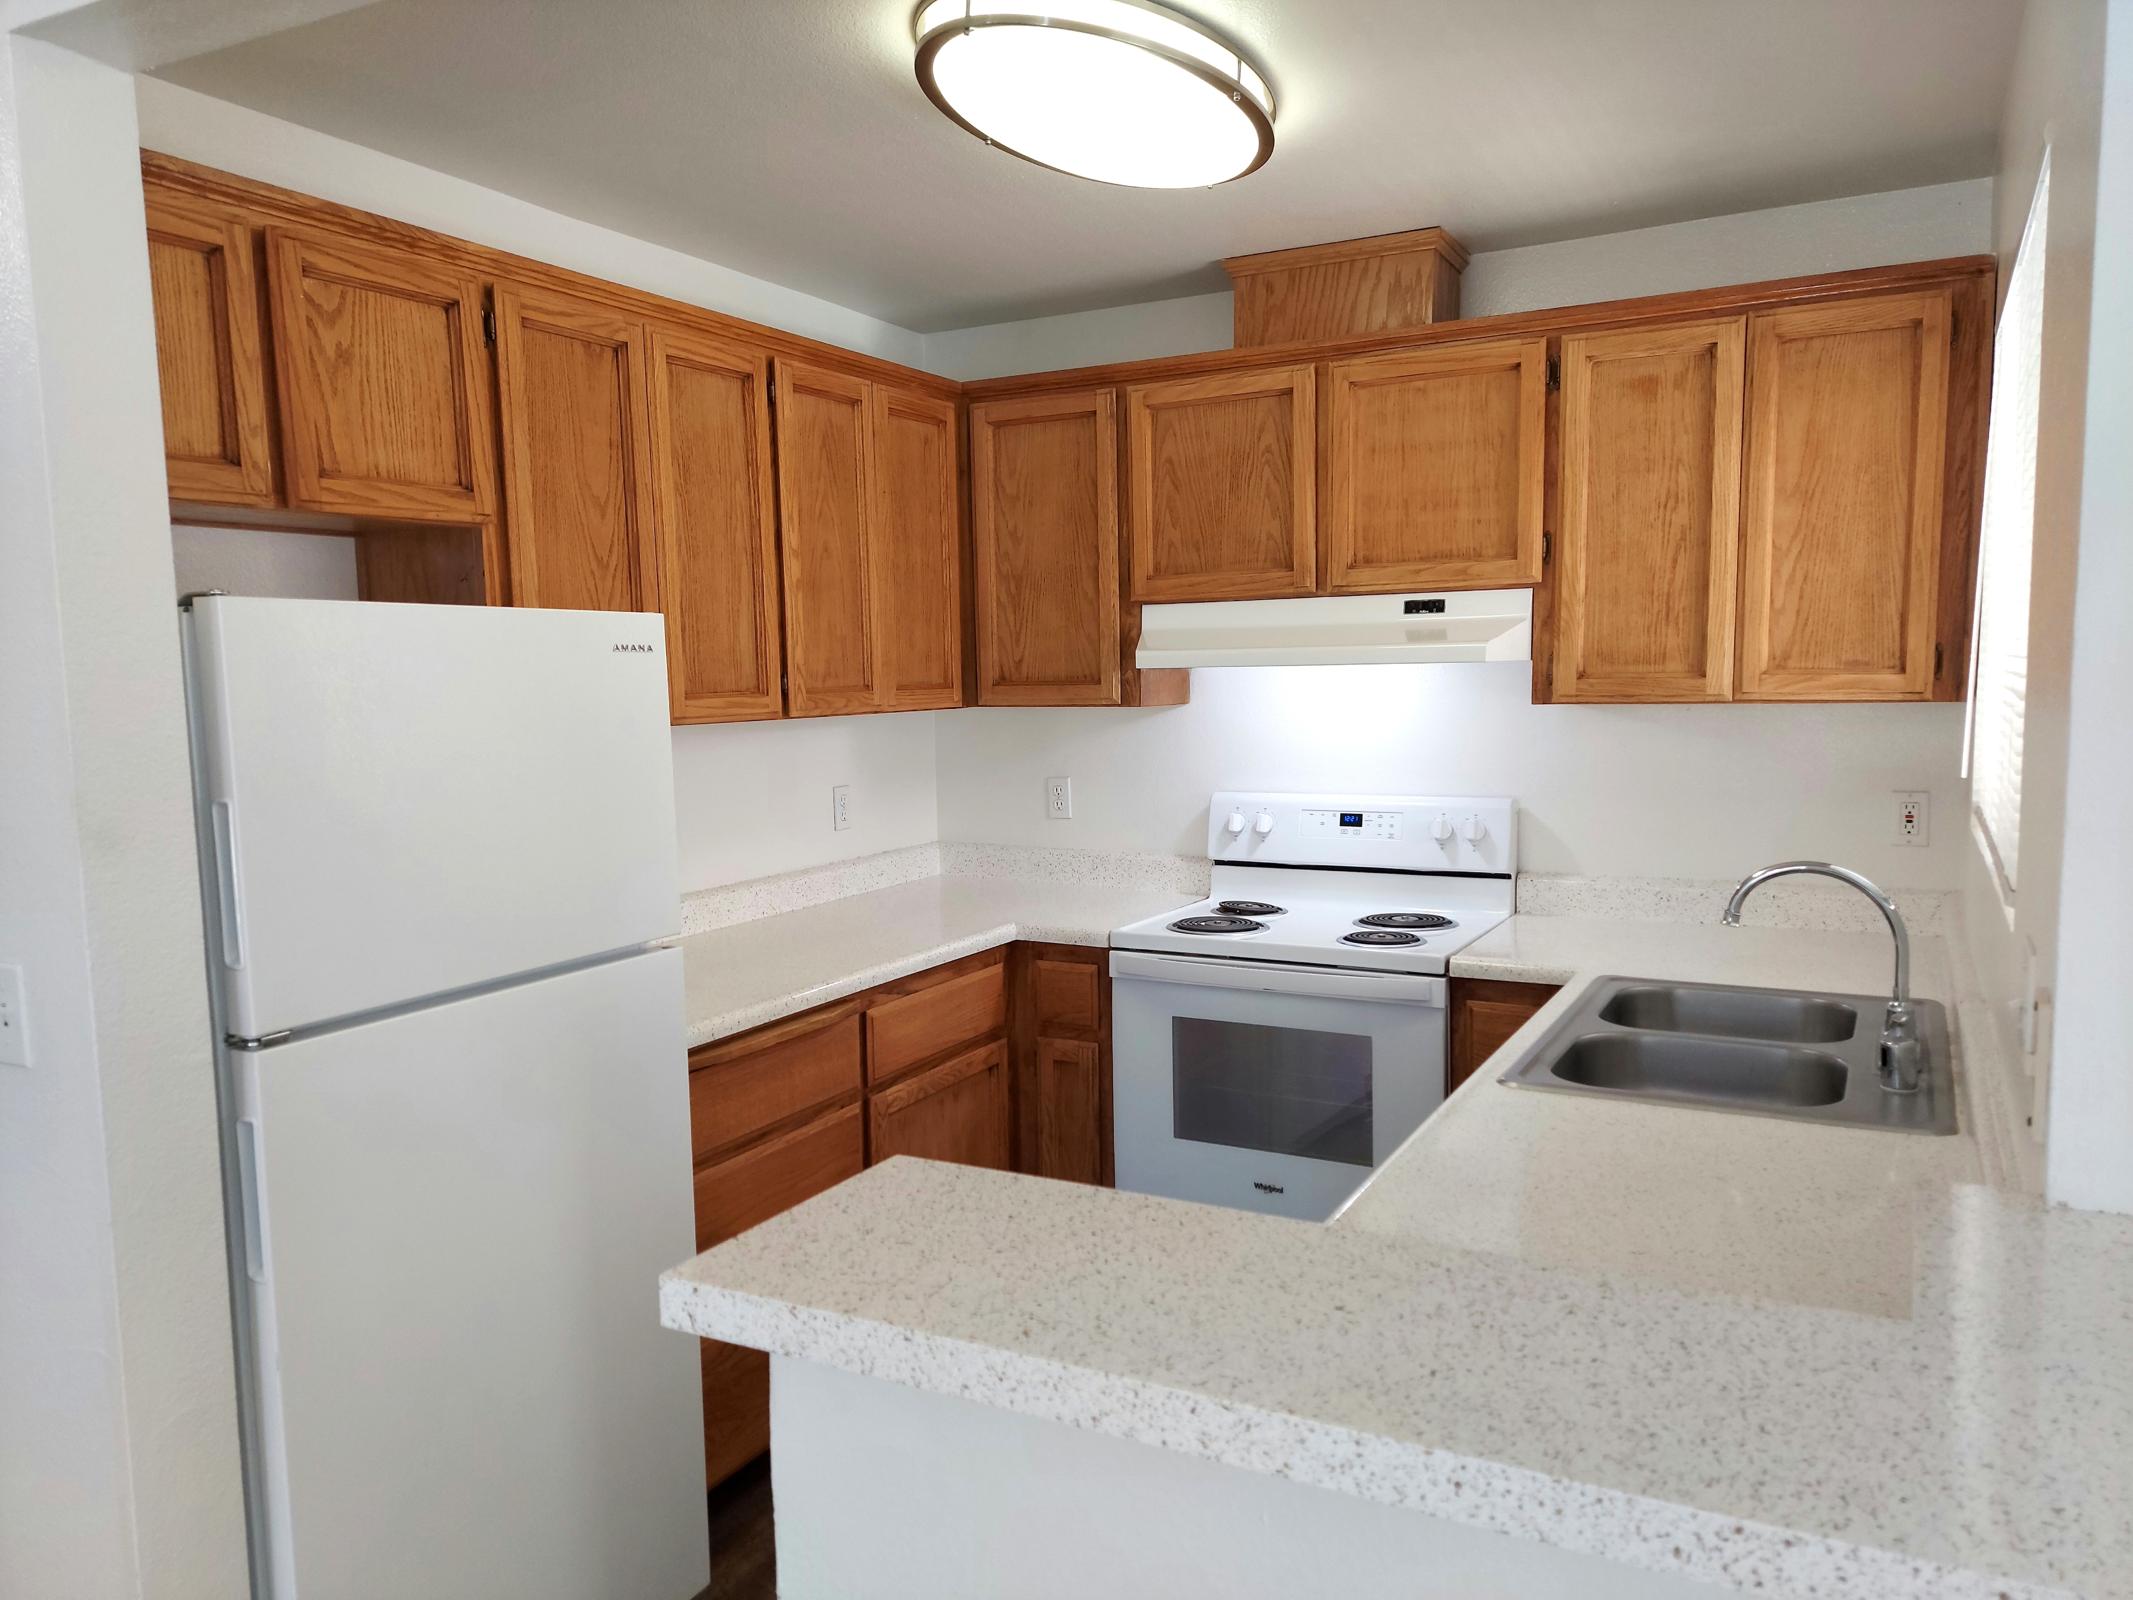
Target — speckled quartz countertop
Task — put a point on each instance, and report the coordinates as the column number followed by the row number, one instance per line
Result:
column 1780, row 1358
column 754, row 972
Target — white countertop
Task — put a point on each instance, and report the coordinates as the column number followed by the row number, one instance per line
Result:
column 1778, row 1357
column 750, row 973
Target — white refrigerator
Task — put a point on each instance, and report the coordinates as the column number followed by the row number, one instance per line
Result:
column 436, row 845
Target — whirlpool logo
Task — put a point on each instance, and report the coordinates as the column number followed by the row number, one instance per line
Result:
column 1268, row 1188
column 633, row 650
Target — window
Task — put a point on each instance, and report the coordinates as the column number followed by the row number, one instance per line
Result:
column 1999, row 646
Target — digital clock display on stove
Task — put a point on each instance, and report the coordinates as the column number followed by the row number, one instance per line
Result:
column 1351, row 819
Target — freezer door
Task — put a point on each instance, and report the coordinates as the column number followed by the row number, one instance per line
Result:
column 455, row 1226
column 399, row 801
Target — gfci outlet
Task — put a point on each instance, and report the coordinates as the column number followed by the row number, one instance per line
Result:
column 1058, row 798
column 1913, row 816
column 841, row 806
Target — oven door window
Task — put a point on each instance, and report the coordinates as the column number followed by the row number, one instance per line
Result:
column 1291, row 1091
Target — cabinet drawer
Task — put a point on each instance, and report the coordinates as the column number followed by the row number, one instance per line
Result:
column 733, row 1195
column 735, row 1094
column 1064, row 996
column 956, row 1111
column 917, row 1027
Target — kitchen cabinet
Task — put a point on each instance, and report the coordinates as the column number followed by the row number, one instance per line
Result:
column 825, row 535
column 576, row 453
column 714, row 508
column 1221, row 485
column 1485, row 1012
column 1841, row 532
column 1063, row 1094
column 956, row 1111
column 210, row 354
column 383, row 381
column 1436, row 465
column 1649, row 491
column 1044, row 536
column 918, row 534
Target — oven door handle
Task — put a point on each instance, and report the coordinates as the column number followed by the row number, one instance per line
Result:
column 1275, row 977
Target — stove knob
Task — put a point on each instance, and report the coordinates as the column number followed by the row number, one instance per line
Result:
column 1471, row 830
column 1441, row 829
column 1235, row 823
column 1265, row 824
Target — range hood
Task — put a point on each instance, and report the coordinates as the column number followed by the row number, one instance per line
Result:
column 1340, row 630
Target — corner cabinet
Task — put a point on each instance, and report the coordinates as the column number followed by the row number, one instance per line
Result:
column 1842, row 528
column 383, row 378
column 1436, row 467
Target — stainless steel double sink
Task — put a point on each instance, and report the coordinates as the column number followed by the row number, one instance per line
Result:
column 1767, row 1052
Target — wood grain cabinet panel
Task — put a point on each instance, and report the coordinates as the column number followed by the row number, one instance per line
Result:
column 909, row 1029
column 957, row 1111
column 383, row 382
column 918, row 535
column 1436, row 468
column 1841, row 537
column 1221, row 486
column 824, row 518
column 1044, row 535
column 714, row 507
column 1066, row 997
column 741, row 1087
column 736, row 1408
column 1069, row 1110
column 735, row 1194
column 1485, row 1012
column 577, row 454
column 1650, row 513
column 210, row 355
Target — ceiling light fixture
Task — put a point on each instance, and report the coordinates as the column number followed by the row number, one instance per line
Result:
column 1121, row 91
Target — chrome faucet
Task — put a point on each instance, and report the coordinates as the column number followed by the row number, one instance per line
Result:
column 1902, row 1051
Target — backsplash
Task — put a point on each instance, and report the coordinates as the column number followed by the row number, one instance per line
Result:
column 1788, row 903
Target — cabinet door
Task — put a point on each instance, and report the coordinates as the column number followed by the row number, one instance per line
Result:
column 1650, row 495
column 956, row 1111
column 577, row 454
column 210, row 357
column 1840, row 544
column 1485, row 1012
column 1436, row 467
column 718, row 540
column 1044, row 533
column 825, row 518
column 1221, row 486
column 1068, row 1086
column 383, row 381
column 916, row 531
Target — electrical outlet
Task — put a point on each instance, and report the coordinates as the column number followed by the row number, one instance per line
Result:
column 14, row 1023
column 1913, row 816
column 1058, row 798
column 841, row 807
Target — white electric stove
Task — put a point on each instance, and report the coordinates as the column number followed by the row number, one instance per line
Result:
column 1273, row 1044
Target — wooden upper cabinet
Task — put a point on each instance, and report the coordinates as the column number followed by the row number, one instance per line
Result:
column 210, row 355
column 1221, row 485
column 1841, row 535
column 1044, row 534
column 1650, row 513
column 1435, row 467
column 577, row 453
column 383, row 381
column 824, row 516
column 714, row 509
column 918, row 549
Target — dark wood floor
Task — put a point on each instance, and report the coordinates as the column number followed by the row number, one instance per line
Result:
column 744, row 1559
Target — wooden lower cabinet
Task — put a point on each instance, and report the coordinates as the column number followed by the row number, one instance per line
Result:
column 1484, row 1015
column 1000, row 1059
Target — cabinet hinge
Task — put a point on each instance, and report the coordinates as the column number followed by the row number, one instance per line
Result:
column 1555, row 374
column 488, row 326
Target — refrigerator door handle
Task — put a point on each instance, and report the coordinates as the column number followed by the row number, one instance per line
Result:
column 255, row 1250
column 225, row 834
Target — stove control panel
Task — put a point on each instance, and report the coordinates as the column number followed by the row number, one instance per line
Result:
column 1409, row 833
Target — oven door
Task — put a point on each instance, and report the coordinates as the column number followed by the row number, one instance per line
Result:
column 1267, row 1086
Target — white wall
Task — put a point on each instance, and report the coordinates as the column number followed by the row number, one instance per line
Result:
column 1949, row 219
column 119, row 1469
column 2090, row 1153
column 264, row 561
column 2053, row 99
column 1663, row 791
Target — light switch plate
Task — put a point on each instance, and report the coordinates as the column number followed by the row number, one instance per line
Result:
column 14, row 1019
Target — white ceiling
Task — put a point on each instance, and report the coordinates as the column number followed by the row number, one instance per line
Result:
column 788, row 138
